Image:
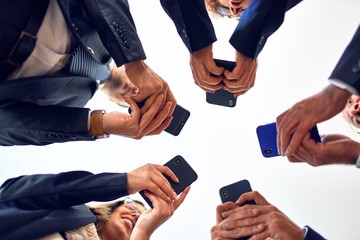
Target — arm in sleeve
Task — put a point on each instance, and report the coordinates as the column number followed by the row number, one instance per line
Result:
column 192, row 22
column 30, row 124
column 311, row 234
column 346, row 74
column 258, row 22
column 116, row 28
column 49, row 191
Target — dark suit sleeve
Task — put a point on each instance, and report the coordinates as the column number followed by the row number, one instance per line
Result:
column 192, row 22
column 116, row 28
column 258, row 22
column 44, row 110
column 313, row 235
column 30, row 124
column 347, row 69
column 50, row 191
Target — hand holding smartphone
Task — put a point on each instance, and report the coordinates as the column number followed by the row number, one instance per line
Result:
column 183, row 171
column 267, row 135
column 180, row 117
column 233, row 191
column 222, row 97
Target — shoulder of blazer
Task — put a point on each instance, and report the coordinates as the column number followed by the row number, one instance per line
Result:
column 12, row 21
column 65, row 90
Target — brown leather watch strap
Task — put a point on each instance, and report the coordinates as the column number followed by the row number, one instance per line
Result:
column 96, row 124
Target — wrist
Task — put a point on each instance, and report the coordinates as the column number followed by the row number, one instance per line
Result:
column 96, row 124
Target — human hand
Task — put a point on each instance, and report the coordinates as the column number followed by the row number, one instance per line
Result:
column 295, row 123
column 151, row 177
column 153, row 218
column 260, row 221
column 118, row 86
column 202, row 65
column 242, row 77
column 150, row 86
column 137, row 124
column 334, row 149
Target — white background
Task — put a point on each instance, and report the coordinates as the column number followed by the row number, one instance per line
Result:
column 220, row 143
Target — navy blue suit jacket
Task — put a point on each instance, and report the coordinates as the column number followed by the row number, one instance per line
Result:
column 263, row 17
column 49, row 109
column 34, row 206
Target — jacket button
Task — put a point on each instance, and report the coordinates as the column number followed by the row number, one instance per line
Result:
column 119, row 31
column 90, row 50
column 115, row 24
column 73, row 25
column 356, row 68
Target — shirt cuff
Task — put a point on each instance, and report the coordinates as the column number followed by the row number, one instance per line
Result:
column 340, row 84
column 358, row 162
column 305, row 231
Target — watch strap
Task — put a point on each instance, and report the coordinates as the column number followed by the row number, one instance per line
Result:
column 96, row 124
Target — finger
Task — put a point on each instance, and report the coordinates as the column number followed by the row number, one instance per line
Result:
column 158, row 120
column 181, row 197
column 149, row 115
column 162, row 127
column 293, row 158
column 252, row 196
column 162, row 188
column 168, row 172
column 135, row 110
column 238, row 71
column 205, row 84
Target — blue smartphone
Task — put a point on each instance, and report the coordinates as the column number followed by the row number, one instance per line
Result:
column 267, row 139
column 233, row 191
column 183, row 171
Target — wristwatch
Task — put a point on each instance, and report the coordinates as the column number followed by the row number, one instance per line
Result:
column 96, row 124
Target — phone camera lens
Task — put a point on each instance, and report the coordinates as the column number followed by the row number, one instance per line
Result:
column 225, row 194
column 231, row 103
column 177, row 161
column 268, row 151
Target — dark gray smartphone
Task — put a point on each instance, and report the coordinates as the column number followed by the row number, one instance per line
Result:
column 180, row 117
column 183, row 171
column 267, row 139
column 222, row 97
column 233, row 191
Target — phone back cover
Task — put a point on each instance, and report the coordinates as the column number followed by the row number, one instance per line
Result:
column 222, row 97
column 180, row 117
column 267, row 140
column 183, row 171
column 233, row 191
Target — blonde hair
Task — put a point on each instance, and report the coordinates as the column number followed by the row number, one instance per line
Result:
column 103, row 212
column 211, row 6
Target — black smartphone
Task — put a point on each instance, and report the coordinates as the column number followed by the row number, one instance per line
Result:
column 267, row 139
column 233, row 191
column 222, row 97
column 183, row 171
column 180, row 117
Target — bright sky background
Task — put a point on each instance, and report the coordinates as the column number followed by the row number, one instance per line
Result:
column 220, row 143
